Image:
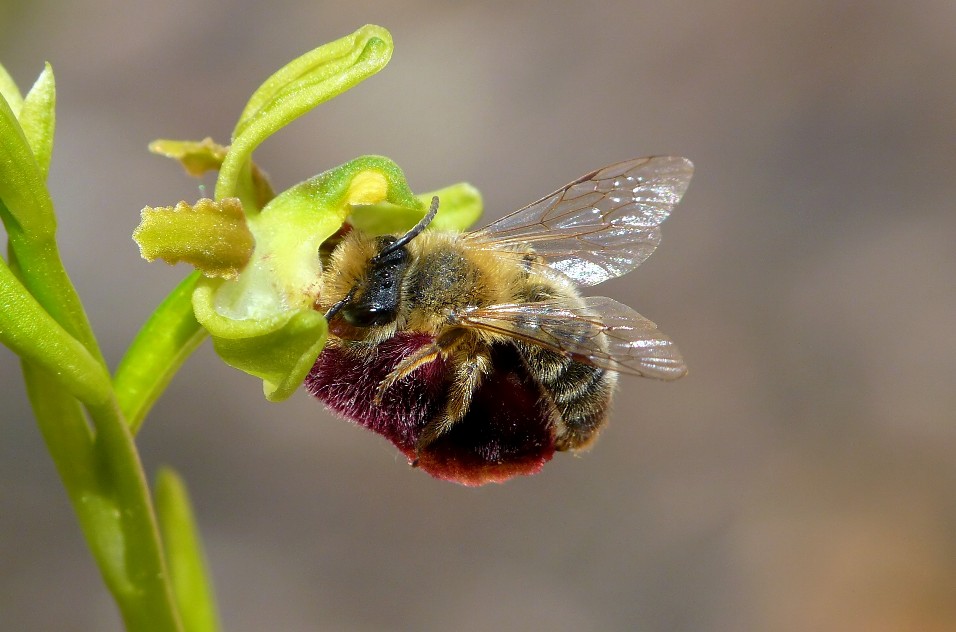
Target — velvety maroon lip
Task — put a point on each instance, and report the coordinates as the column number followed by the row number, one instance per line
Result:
column 506, row 433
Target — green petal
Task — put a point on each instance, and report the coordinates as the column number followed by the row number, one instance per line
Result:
column 461, row 206
column 280, row 350
column 212, row 236
column 200, row 157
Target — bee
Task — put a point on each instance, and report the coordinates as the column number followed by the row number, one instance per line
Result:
column 476, row 353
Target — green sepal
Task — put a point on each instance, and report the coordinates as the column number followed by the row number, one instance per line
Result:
column 460, row 206
column 304, row 83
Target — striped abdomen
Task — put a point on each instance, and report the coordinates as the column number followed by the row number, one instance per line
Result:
column 580, row 393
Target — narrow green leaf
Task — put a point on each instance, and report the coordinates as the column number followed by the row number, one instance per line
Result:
column 10, row 92
column 185, row 558
column 27, row 329
column 22, row 182
column 42, row 274
column 38, row 118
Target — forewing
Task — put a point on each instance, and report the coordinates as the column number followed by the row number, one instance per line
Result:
column 600, row 331
column 600, row 226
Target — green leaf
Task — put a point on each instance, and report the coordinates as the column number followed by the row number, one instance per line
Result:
column 26, row 210
column 38, row 118
column 184, row 554
column 10, row 92
column 22, row 182
column 295, row 89
column 30, row 332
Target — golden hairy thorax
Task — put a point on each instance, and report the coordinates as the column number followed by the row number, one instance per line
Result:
column 444, row 276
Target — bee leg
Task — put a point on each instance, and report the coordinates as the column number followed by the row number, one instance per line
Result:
column 469, row 374
column 406, row 367
column 443, row 345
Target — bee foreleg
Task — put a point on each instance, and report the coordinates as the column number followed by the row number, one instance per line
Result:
column 422, row 356
column 443, row 345
column 469, row 373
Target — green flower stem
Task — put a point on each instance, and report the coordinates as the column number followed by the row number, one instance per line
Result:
column 105, row 483
column 125, row 535
column 43, row 321
column 63, row 425
column 184, row 555
column 162, row 345
column 311, row 79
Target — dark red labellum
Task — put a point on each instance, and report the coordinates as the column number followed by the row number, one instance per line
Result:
column 505, row 433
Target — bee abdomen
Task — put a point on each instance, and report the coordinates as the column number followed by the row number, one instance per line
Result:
column 580, row 394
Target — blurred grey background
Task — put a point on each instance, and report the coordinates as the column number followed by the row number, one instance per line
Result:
column 802, row 477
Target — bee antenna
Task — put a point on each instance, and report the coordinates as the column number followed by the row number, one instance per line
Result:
column 339, row 305
column 414, row 232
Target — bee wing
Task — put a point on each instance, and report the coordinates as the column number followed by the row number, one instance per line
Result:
column 600, row 332
column 600, row 226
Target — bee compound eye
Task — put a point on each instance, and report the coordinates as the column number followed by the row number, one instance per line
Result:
column 367, row 315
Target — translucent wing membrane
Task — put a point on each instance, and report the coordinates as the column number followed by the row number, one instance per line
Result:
column 600, row 226
column 600, row 331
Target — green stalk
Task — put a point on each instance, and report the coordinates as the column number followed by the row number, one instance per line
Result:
column 44, row 322
column 131, row 554
column 162, row 345
column 104, row 481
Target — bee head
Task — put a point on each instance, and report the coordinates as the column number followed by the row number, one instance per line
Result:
column 376, row 301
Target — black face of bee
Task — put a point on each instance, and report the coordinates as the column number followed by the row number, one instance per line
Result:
column 377, row 303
